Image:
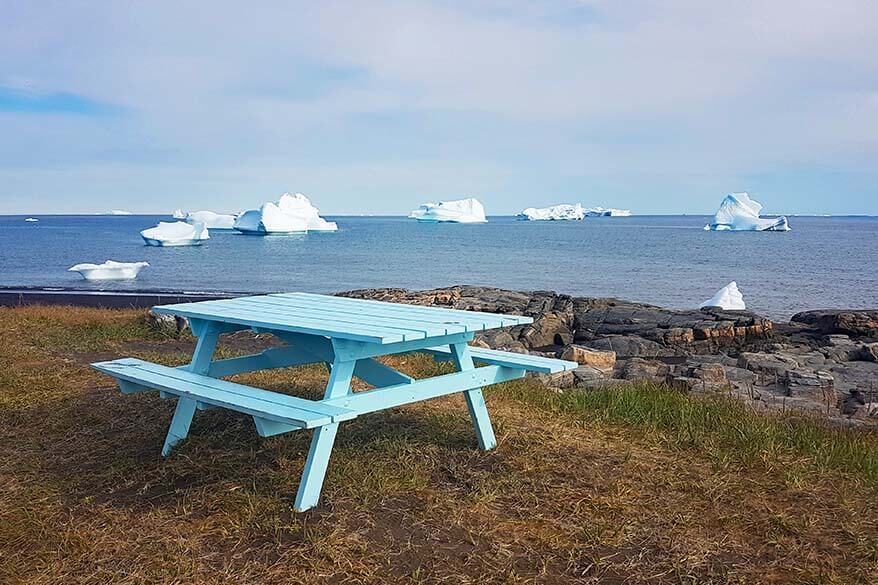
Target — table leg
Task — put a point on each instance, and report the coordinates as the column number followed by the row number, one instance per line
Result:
column 207, row 339
column 475, row 401
column 324, row 437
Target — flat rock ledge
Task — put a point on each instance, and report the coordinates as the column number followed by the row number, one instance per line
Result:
column 822, row 361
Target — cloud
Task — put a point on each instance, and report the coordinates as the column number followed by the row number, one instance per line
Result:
column 602, row 101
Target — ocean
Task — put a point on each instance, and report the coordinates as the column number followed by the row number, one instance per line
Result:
column 824, row 262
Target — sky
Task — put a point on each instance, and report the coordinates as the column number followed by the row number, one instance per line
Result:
column 658, row 106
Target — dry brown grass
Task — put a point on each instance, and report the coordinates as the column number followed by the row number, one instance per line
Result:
column 573, row 493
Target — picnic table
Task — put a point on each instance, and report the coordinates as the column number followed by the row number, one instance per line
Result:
column 347, row 335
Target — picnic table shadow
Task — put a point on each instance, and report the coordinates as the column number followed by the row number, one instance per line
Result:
column 110, row 448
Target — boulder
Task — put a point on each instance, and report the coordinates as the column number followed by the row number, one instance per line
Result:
column 869, row 352
column 172, row 325
column 860, row 323
column 641, row 369
column 816, row 384
column 600, row 359
column 767, row 363
column 713, row 374
column 585, row 375
column 560, row 380
column 551, row 329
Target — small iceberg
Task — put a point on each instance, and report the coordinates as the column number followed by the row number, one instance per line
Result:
column 608, row 212
column 109, row 270
column 459, row 211
column 564, row 211
column 31, row 219
column 178, row 233
column 120, row 212
column 213, row 221
column 728, row 298
column 291, row 214
column 738, row 212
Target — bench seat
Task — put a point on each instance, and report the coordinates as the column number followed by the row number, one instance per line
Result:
column 524, row 361
column 272, row 412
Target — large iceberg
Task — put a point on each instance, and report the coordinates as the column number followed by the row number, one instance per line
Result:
column 738, row 212
column 292, row 214
column 213, row 221
column 554, row 212
column 608, row 212
column 728, row 298
column 109, row 270
column 460, row 211
column 178, row 233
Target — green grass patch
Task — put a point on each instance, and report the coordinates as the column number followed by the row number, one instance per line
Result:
column 724, row 427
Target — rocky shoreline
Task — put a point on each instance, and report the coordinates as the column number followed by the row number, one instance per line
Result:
column 821, row 361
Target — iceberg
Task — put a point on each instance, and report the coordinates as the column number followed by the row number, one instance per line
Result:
column 213, row 221
column 179, row 214
column 31, row 219
column 120, row 212
column 109, row 270
column 554, row 212
column 608, row 212
column 459, row 211
column 728, row 298
column 178, row 233
column 738, row 212
column 291, row 214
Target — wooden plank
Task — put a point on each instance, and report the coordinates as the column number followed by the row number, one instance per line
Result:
column 531, row 363
column 506, row 320
column 392, row 396
column 329, row 323
column 238, row 397
column 256, row 320
column 395, row 311
column 357, row 316
column 405, row 326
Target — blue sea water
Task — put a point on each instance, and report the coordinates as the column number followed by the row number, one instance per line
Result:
column 664, row 260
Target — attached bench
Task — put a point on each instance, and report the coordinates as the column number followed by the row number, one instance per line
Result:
column 508, row 359
column 272, row 413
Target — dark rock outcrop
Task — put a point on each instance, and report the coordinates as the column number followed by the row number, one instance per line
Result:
column 822, row 361
column 860, row 323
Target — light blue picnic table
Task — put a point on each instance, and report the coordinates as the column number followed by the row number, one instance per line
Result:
column 344, row 333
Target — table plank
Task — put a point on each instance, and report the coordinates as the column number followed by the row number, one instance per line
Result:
column 341, row 317
column 259, row 320
column 441, row 314
column 303, row 308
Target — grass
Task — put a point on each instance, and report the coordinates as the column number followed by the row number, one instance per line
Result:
column 633, row 485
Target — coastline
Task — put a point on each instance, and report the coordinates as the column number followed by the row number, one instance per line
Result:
column 821, row 361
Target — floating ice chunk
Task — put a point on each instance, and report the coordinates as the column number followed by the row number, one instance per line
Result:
column 291, row 214
column 120, row 212
column 179, row 214
column 608, row 212
column 728, row 298
column 109, row 270
column 738, row 212
column 554, row 212
column 178, row 233
column 213, row 221
column 459, row 211
column 31, row 219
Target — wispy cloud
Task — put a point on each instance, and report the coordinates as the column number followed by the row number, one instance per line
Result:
column 27, row 102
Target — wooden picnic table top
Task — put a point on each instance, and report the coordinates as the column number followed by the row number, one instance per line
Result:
column 342, row 317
